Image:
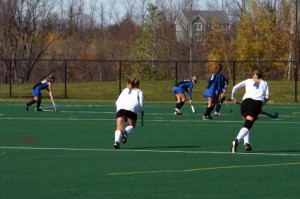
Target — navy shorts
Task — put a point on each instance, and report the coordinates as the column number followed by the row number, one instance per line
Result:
column 36, row 93
column 210, row 93
column 126, row 114
column 251, row 107
column 177, row 90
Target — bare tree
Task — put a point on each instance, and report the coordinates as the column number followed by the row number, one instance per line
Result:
column 129, row 6
column 113, row 13
column 25, row 34
column 93, row 7
column 142, row 12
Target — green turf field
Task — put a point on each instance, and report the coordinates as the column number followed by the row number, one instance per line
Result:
column 68, row 154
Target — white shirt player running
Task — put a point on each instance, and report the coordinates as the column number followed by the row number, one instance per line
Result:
column 255, row 91
column 131, row 100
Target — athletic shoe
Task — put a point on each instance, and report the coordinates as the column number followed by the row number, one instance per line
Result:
column 38, row 110
column 248, row 147
column 217, row 113
column 207, row 117
column 124, row 136
column 235, row 144
column 26, row 107
column 177, row 112
column 116, row 145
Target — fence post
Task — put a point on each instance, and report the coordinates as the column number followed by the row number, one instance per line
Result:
column 65, row 62
column 10, row 79
column 176, row 72
column 120, row 77
column 233, row 75
column 296, row 80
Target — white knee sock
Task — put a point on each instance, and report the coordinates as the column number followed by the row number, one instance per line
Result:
column 118, row 136
column 129, row 129
column 243, row 132
column 247, row 138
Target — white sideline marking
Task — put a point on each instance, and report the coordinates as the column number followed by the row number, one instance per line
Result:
column 150, row 151
column 272, row 121
column 25, row 118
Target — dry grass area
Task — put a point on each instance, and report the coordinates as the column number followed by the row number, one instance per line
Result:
column 154, row 91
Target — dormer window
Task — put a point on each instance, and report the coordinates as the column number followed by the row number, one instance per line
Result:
column 198, row 26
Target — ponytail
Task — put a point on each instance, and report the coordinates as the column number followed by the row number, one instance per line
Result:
column 257, row 75
column 133, row 82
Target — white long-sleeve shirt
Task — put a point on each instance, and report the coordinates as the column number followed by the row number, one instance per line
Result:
column 131, row 100
column 256, row 91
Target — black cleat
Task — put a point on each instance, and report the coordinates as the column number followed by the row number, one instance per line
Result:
column 26, row 107
column 248, row 147
column 234, row 146
column 116, row 145
column 38, row 110
column 124, row 136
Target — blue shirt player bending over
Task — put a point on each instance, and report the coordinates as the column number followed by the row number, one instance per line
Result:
column 179, row 90
column 36, row 92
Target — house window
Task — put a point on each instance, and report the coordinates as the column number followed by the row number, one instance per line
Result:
column 198, row 37
column 198, row 26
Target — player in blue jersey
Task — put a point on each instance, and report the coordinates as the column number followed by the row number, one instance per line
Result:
column 212, row 91
column 222, row 96
column 36, row 92
column 179, row 90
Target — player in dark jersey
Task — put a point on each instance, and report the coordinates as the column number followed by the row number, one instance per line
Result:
column 36, row 92
column 222, row 95
column 212, row 91
column 179, row 90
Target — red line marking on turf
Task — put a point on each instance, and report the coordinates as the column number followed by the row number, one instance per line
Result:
column 19, row 139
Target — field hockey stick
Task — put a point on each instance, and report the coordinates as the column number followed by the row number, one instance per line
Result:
column 275, row 115
column 142, row 118
column 193, row 108
column 53, row 103
column 142, row 111
column 54, row 106
column 228, row 106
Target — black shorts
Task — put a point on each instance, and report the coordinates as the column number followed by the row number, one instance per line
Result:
column 127, row 114
column 251, row 107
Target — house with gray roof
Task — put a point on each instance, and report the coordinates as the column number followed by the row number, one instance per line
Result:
column 193, row 24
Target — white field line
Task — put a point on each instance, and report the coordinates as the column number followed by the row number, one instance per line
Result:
column 147, row 151
column 273, row 121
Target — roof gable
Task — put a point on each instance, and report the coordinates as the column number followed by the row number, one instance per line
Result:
column 207, row 16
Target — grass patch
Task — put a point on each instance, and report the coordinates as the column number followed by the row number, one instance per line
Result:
column 154, row 91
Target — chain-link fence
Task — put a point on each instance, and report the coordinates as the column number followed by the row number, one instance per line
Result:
column 66, row 72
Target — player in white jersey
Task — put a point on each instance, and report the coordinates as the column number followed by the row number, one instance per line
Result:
column 129, row 103
column 256, row 94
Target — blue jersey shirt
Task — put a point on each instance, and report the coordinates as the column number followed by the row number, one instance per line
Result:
column 36, row 90
column 41, row 85
column 185, row 85
column 225, row 81
column 215, row 85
